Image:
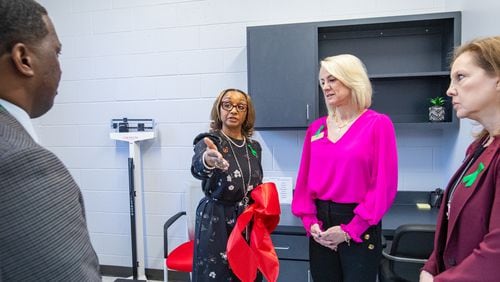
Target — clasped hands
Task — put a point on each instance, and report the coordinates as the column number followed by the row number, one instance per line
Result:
column 329, row 238
column 212, row 157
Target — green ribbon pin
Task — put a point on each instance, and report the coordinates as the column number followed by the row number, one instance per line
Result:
column 319, row 130
column 469, row 179
column 254, row 153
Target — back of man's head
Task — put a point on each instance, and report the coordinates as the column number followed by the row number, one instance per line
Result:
column 29, row 56
column 20, row 21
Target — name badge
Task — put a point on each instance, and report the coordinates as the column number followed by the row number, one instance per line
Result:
column 317, row 136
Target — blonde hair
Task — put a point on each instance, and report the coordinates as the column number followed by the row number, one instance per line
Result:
column 486, row 55
column 352, row 73
column 216, row 122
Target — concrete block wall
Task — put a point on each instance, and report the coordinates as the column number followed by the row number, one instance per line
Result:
column 167, row 60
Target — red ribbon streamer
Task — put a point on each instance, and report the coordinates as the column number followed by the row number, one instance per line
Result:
column 243, row 258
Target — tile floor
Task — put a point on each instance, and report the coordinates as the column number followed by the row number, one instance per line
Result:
column 112, row 279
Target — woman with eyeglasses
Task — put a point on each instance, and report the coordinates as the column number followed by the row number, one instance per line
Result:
column 228, row 162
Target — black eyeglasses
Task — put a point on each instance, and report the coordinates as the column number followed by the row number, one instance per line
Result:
column 229, row 107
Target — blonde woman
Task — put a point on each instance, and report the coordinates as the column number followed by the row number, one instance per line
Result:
column 347, row 178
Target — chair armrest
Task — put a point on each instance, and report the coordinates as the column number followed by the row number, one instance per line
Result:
column 386, row 274
column 403, row 259
column 167, row 224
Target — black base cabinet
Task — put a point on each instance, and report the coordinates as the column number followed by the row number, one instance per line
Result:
column 293, row 254
column 407, row 58
column 294, row 271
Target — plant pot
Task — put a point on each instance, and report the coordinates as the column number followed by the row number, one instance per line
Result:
column 436, row 113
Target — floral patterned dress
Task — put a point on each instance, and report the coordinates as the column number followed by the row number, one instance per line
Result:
column 223, row 202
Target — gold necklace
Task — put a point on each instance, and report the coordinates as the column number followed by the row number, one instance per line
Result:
column 338, row 126
column 346, row 123
column 341, row 125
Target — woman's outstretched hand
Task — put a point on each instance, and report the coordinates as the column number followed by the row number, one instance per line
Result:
column 213, row 157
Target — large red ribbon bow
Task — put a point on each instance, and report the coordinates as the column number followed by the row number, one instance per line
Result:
column 243, row 258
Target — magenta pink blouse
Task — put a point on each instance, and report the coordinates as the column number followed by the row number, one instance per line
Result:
column 361, row 167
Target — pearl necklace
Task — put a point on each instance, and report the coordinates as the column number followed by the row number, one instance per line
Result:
column 245, row 188
column 234, row 143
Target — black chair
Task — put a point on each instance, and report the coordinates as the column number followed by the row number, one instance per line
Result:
column 411, row 246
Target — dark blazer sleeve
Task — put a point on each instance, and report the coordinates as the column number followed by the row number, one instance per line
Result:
column 484, row 261
column 432, row 265
column 472, row 251
column 43, row 231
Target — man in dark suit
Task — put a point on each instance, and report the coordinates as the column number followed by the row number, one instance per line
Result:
column 43, row 231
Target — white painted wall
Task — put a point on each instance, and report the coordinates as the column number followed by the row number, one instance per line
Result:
column 167, row 60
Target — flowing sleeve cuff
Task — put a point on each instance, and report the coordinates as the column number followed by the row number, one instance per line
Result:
column 356, row 228
column 309, row 220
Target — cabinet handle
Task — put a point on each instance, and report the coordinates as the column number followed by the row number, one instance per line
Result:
column 307, row 111
column 282, row 248
column 308, row 275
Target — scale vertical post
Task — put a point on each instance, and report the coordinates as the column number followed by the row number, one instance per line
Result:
column 135, row 188
column 133, row 226
column 135, row 155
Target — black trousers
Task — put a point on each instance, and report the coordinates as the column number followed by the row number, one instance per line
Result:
column 357, row 262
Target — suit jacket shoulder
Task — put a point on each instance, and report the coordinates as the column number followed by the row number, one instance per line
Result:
column 43, row 229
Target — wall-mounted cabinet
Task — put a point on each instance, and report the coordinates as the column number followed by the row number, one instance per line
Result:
column 407, row 58
column 282, row 74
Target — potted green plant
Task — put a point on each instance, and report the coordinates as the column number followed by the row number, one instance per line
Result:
column 437, row 110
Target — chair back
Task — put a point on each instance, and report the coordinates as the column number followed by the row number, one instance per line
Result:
column 411, row 241
column 181, row 257
column 193, row 195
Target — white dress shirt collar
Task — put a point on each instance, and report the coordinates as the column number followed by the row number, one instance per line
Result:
column 22, row 117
